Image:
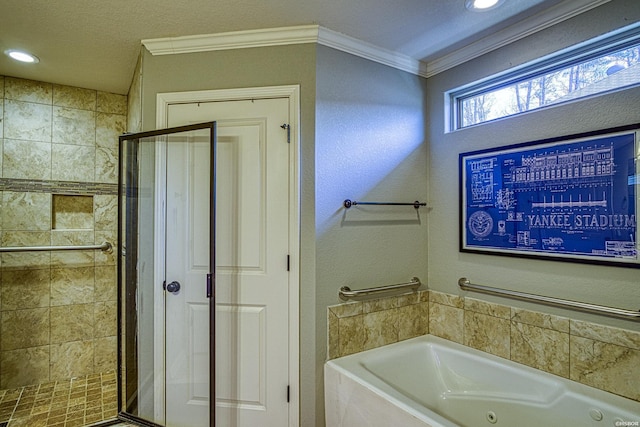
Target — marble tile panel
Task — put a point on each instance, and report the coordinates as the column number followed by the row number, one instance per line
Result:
column 351, row 334
column 1, row 121
column 608, row 334
column 413, row 320
column 540, row 348
column 379, row 304
column 74, row 97
column 333, row 336
column 541, row 320
column 73, row 127
column 72, row 286
column 106, row 286
column 352, row 308
column 24, row 328
column 488, row 308
column 109, row 127
column 23, row 367
column 605, row 366
column 21, row 289
column 112, row 103
column 26, row 159
column 25, row 260
column 72, row 323
column 77, row 258
column 106, row 321
column 106, row 167
column 487, row 333
column 71, row 359
column 105, row 209
column 28, row 90
column 28, row 121
column 25, row 211
column 413, row 298
column 73, row 162
column 1, row 87
column 446, row 299
column 380, row 328
column 106, row 354
column 446, row 322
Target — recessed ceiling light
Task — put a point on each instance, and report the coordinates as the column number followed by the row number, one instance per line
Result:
column 22, row 56
column 482, row 5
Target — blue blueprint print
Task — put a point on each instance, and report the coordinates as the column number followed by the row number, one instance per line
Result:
column 568, row 198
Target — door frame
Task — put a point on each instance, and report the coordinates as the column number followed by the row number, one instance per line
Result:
column 292, row 92
column 125, row 244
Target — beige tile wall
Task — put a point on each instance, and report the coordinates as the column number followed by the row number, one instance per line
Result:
column 599, row 356
column 57, row 309
column 357, row 326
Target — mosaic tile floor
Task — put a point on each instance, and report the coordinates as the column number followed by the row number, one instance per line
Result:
column 81, row 401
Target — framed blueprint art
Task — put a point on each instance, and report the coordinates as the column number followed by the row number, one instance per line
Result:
column 574, row 198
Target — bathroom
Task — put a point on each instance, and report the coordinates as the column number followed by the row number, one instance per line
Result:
column 356, row 143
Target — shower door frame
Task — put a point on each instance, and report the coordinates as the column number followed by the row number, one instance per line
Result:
column 128, row 246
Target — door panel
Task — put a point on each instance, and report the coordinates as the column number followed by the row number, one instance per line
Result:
column 252, row 281
column 243, row 327
column 240, row 199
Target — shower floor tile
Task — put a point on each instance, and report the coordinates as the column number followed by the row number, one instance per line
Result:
column 80, row 401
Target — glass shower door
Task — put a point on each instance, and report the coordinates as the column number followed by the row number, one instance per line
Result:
column 166, row 243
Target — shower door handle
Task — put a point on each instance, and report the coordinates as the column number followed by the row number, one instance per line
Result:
column 173, row 287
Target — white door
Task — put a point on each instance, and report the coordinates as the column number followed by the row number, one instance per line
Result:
column 252, row 278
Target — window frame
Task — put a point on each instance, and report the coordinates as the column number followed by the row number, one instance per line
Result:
column 588, row 50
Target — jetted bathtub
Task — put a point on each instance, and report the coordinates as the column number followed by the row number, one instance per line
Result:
column 429, row 381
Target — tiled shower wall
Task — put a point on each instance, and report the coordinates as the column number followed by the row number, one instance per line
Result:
column 58, row 186
column 599, row 356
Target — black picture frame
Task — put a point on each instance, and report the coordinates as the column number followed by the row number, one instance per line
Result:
column 570, row 198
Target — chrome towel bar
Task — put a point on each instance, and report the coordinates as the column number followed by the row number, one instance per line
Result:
column 346, row 293
column 105, row 247
column 466, row 285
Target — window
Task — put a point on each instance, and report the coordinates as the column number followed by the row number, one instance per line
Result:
column 605, row 64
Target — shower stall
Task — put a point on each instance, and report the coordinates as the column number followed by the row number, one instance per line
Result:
column 82, row 282
column 58, row 294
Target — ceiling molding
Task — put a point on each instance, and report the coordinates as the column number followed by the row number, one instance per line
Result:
column 374, row 53
column 316, row 34
column 284, row 36
column 539, row 22
column 233, row 40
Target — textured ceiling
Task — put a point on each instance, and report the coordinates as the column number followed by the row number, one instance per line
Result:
column 95, row 44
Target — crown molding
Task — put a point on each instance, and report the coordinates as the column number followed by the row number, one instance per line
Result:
column 529, row 26
column 233, row 40
column 369, row 51
column 283, row 36
column 316, row 34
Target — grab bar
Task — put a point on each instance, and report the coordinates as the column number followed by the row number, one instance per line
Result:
column 466, row 285
column 346, row 293
column 105, row 247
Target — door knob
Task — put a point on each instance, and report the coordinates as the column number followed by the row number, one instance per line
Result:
column 173, row 287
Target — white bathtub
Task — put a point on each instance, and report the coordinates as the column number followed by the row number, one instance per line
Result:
column 429, row 381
